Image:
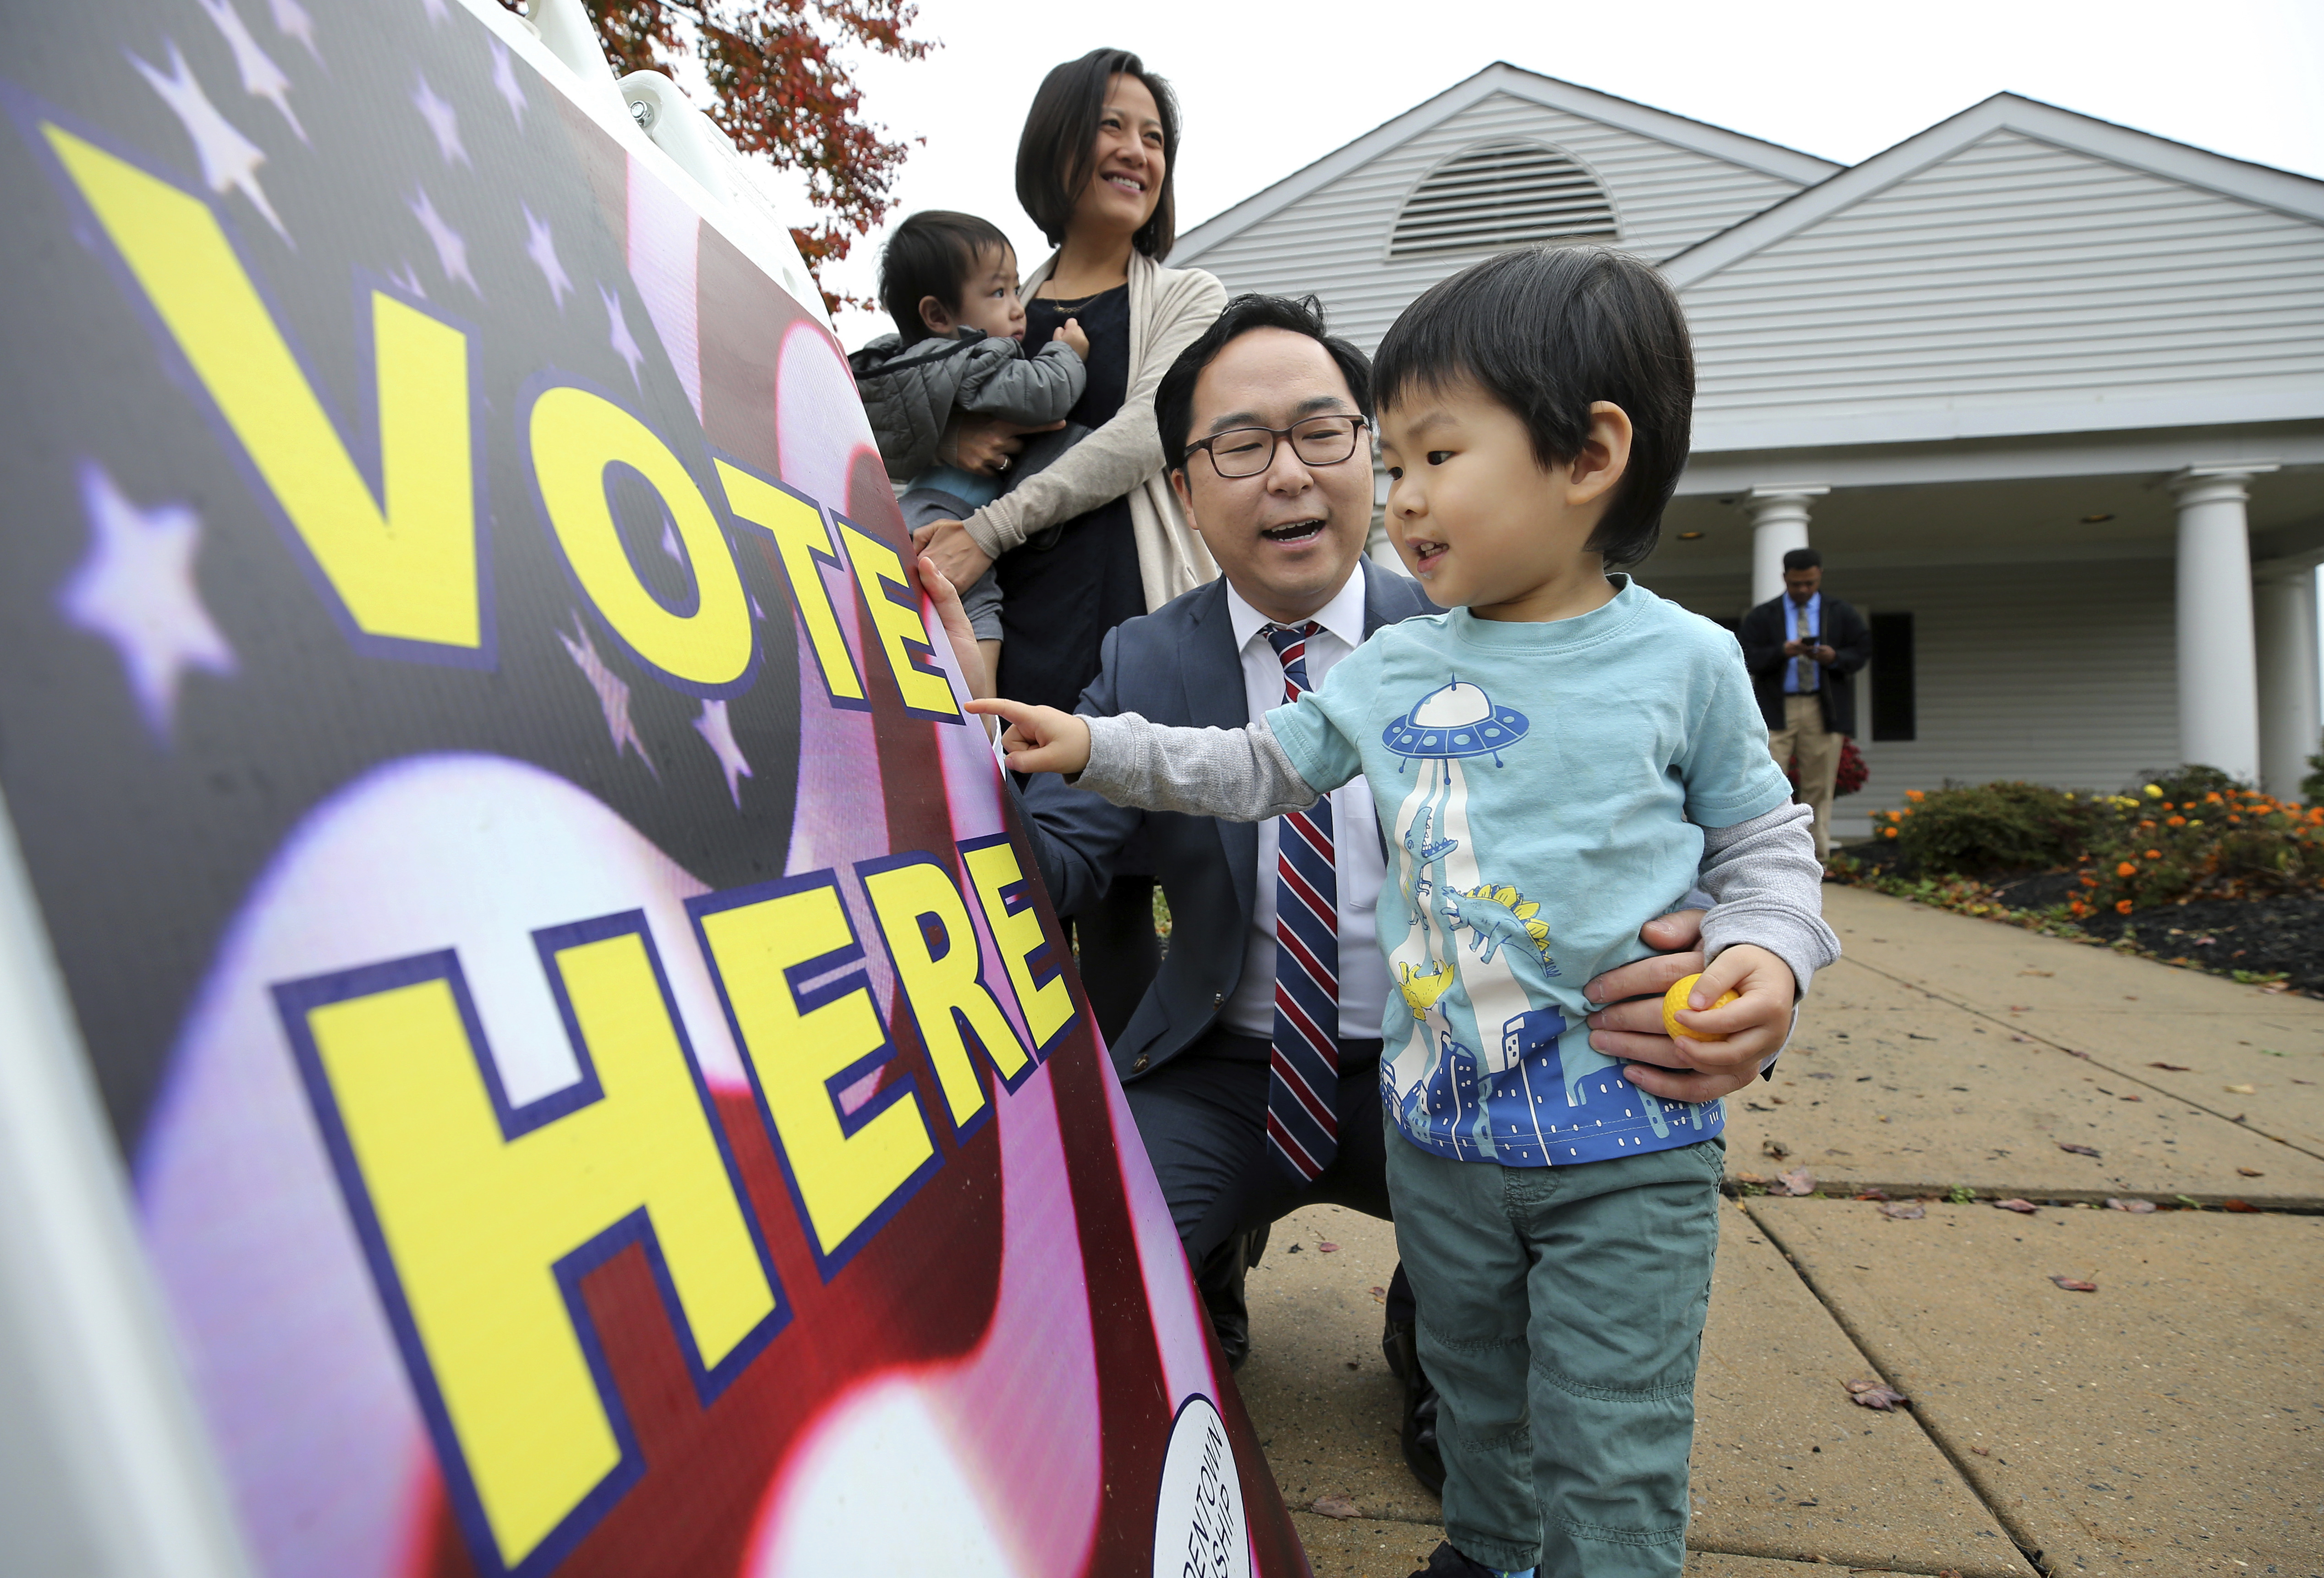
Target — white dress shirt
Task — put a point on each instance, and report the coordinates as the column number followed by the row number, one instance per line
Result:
column 1355, row 835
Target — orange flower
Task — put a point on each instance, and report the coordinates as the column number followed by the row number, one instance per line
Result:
column 2213, row 798
column 2122, row 907
column 2088, row 880
column 2235, row 818
column 2077, row 908
column 2155, row 855
column 1889, row 833
column 2175, row 821
column 2146, row 823
column 1915, row 794
column 2125, row 869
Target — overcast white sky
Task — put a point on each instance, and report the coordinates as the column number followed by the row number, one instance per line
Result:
column 1267, row 87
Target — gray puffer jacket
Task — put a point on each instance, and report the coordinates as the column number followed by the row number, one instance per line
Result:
column 911, row 392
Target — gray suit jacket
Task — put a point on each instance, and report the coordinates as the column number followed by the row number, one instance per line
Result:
column 1177, row 665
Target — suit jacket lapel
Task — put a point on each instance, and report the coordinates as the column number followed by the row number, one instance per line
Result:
column 1211, row 675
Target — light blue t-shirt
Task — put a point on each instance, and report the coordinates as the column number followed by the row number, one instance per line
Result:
column 1543, row 788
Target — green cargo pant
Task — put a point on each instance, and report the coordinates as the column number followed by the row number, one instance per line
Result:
column 1561, row 1314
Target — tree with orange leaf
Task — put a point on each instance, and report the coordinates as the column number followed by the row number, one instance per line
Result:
column 777, row 91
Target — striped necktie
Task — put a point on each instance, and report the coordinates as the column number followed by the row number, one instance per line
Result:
column 1302, row 1125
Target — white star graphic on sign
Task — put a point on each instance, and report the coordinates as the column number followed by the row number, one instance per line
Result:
column 230, row 160
column 713, row 726
column 612, row 695
column 136, row 589
column 408, row 277
column 625, row 347
column 504, row 80
column 451, row 251
column 260, row 76
column 540, row 247
column 442, row 119
column 291, row 21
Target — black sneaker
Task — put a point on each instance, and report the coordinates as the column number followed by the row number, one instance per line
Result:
column 1444, row 1561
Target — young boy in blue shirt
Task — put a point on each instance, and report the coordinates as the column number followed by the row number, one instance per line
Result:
column 1553, row 759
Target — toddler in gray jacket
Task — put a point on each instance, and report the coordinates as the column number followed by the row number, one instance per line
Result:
column 950, row 282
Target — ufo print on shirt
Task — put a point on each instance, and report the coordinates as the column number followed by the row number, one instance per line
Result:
column 1455, row 720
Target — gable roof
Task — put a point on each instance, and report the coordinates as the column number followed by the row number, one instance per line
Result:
column 1715, row 141
column 2299, row 196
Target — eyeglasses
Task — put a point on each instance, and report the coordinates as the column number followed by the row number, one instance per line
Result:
column 1325, row 440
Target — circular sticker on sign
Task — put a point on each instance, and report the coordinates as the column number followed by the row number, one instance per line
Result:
column 1199, row 1530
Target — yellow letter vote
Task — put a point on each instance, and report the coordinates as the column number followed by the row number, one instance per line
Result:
column 404, row 565
column 476, row 1207
column 804, row 544
column 903, row 633
column 933, row 944
column 575, row 437
column 807, row 1043
column 1047, row 1004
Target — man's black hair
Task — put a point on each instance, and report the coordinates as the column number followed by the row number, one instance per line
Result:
column 932, row 254
column 1057, row 151
column 1545, row 331
column 1802, row 558
column 1174, row 397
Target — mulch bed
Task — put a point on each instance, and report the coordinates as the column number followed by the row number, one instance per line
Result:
column 2280, row 934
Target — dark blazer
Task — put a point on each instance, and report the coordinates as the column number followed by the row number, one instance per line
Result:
column 1179, row 665
column 1764, row 632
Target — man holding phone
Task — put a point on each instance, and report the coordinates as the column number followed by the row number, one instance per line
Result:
column 1803, row 649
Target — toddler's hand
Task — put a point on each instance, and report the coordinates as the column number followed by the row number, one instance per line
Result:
column 1040, row 738
column 1751, row 1029
column 1070, row 331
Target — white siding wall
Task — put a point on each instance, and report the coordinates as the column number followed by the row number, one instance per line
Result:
column 2013, row 273
column 1335, row 242
column 2058, row 674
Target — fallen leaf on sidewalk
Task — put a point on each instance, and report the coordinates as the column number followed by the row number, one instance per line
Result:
column 1798, row 1181
column 1775, row 1149
column 2173, row 1067
column 2037, row 972
column 1379, row 1296
column 2074, row 1284
column 1751, row 1177
column 2135, row 1207
column 2025, row 1039
column 2238, row 1206
column 2240, row 1089
column 2251, row 1172
column 1982, row 1450
column 2078, row 1149
column 2023, row 1207
column 1900, row 1211
column 1874, row 1195
column 1335, row 1507
column 1873, row 1394
column 1327, row 1248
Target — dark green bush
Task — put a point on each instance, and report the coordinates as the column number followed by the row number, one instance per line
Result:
column 1977, row 828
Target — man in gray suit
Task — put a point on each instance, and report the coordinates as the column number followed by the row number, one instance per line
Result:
column 1264, row 423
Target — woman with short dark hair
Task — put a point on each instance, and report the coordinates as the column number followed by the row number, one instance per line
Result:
column 1095, row 538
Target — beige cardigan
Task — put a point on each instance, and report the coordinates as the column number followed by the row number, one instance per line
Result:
column 1168, row 310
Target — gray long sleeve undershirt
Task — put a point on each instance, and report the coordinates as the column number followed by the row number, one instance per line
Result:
column 1763, row 876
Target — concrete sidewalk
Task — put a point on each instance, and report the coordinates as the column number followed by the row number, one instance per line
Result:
column 2165, row 1425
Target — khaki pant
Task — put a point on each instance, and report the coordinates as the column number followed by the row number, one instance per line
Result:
column 1818, row 749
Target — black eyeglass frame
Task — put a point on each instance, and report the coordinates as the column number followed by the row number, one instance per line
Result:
column 1275, row 437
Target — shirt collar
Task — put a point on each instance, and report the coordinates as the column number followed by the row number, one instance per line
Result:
column 1344, row 616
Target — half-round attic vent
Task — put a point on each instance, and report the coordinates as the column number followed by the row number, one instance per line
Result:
column 1499, row 195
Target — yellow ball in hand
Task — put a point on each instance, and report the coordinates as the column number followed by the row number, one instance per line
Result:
column 1676, row 999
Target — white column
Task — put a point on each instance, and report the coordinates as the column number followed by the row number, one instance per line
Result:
column 2285, row 606
column 2219, row 665
column 1779, row 523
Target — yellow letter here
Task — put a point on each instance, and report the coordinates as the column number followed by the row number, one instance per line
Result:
column 803, row 542
column 903, row 633
column 1047, row 1003
column 933, row 941
column 404, row 565
column 788, row 965
column 575, row 437
column 481, row 1215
